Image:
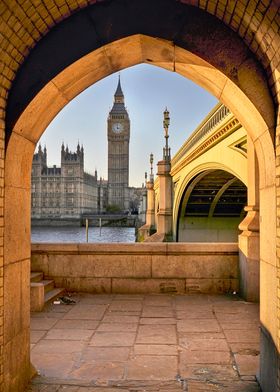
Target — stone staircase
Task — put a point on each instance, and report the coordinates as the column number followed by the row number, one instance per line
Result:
column 42, row 291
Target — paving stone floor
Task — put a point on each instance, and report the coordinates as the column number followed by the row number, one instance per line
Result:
column 109, row 343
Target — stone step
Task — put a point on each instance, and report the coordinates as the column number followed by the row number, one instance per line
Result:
column 48, row 285
column 42, row 291
column 36, row 276
column 53, row 294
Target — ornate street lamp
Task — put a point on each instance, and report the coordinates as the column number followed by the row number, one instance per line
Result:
column 166, row 123
column 151, row 163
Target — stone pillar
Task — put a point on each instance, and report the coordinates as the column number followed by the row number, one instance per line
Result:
column 164, row 226
column 249, row 239
column 143, row 207
column 150, row 213
column 148, row 228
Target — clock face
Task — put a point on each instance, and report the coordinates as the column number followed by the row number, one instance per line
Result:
column 117, row 128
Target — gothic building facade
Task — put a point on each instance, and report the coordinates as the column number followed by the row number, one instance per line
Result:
column 63, row 192
column 69, row 192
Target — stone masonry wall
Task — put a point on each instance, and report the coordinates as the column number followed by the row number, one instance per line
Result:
column 140, row 268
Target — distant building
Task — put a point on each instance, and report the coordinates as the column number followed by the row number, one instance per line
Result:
column 102, row 195
column 69, row 192
column 63, row 192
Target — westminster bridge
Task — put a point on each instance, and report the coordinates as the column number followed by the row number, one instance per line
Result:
column 209, row 181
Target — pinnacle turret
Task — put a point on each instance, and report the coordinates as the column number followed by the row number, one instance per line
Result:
column 41, row 155
column 119, row 92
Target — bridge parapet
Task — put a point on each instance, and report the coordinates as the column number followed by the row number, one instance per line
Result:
column 214, row 118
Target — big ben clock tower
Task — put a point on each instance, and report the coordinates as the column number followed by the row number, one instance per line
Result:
column 118, row 152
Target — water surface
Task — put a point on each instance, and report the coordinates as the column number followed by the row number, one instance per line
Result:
column 78, row 234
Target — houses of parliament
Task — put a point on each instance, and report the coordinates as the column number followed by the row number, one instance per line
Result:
column 69, row 191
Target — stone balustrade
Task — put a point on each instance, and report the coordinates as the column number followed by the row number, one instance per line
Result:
column 219, row 113
column 140, row 268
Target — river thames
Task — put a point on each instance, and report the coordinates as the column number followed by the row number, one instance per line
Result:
column 78, row 234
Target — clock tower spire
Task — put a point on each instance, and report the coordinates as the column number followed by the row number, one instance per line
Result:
column 119, row 97
column 118, row 134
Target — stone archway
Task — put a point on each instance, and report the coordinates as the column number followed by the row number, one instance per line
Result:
column 173, row 36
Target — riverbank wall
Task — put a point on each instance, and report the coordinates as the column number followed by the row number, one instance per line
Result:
column 140, row 268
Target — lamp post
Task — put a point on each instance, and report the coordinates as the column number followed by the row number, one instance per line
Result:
column 166, row 123
column 151, row 163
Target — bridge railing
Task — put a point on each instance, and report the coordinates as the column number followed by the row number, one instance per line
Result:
column 219, row 113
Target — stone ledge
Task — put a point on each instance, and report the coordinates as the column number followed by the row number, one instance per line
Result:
column 136, row 248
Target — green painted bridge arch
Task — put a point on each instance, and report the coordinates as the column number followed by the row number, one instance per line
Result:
column 211, row 208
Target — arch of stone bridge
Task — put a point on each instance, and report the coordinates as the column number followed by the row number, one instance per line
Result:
column 201, row 217
column 194, row 171
column 93, row 43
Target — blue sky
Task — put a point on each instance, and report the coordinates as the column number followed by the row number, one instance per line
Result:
column 147, row 90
